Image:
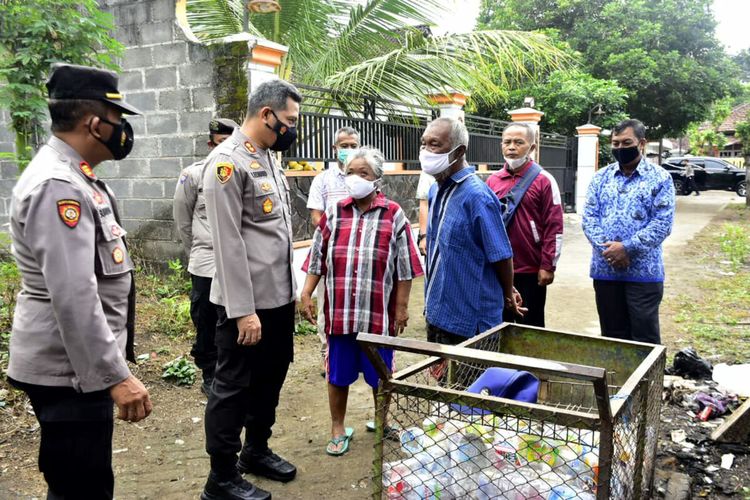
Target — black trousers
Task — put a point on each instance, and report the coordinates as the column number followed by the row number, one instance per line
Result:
column 629, row 310
column 75, row 452
column 460, row 378
column 204, row 316
column 534, row 298
column 246, row 386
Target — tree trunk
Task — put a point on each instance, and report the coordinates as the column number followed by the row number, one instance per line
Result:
column 22, row 151
column 661, row 151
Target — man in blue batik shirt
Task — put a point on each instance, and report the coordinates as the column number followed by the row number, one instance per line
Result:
column 628, row 214
column 469, row 260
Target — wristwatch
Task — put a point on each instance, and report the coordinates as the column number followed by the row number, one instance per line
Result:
column 420, row 238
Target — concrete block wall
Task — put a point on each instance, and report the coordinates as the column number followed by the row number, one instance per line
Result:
column 8, row 169
column 170, row 80
column 179, row 86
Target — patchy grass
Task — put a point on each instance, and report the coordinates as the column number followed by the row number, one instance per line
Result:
column 163, row 305
column 714, row 317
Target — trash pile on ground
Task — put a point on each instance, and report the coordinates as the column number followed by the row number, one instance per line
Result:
column 455, row 459
column 705, row 422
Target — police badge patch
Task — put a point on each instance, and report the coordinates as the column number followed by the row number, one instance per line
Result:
column 224, row 171
column 267, row 206
column 118, row 256
column 87, row 170
column 69, row 212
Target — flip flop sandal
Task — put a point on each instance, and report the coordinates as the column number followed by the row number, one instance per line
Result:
column 345, row 439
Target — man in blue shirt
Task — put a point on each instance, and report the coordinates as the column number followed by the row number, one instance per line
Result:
column 628, row 214
column 469, row 260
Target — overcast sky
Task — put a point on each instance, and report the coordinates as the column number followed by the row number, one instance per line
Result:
column 732, row 15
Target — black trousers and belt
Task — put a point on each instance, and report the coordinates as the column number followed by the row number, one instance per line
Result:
column 629, row 310
column 204, row 316
column 534, row 298
column 246, row 386
column 75, row 452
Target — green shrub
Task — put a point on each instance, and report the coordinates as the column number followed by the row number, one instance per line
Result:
column 304, row 327
column 180, row 370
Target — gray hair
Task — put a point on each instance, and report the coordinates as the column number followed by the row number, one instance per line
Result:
column 274, row 94
column 347, row 131
column 459, row 135
column 530, row 132
column 372, row 156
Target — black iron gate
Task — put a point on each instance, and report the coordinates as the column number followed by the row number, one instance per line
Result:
column 558, row 154
column 396, row 129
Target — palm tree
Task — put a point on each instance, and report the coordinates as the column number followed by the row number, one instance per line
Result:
column 383, row 47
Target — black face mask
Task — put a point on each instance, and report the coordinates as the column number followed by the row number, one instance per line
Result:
column 120, row 143
column 285, row 135
column 625, row 155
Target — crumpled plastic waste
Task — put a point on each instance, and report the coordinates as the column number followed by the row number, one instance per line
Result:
column 687, row 363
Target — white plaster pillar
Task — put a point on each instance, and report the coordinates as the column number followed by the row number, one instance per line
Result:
column 588, row 161
column 451, row 105
column 265, row 58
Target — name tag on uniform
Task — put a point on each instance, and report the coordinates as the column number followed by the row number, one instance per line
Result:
column 259, row 173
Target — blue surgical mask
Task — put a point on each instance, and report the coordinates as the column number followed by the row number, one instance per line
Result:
column 344, row 154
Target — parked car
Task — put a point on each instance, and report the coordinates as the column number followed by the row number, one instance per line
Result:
column 710, row 173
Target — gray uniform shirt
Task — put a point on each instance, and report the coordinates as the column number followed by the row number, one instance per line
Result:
column 190, row 217
column 247, row 200
column 70, row 322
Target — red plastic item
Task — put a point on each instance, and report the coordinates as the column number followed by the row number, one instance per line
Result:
column 705, row 413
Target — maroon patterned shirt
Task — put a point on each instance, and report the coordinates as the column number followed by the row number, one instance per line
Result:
column 362, row 255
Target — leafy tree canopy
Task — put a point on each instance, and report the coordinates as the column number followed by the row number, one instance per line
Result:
column 742, row 60
column 33, row 35
column 567, row 97
column 664, row 54
column 384, row 47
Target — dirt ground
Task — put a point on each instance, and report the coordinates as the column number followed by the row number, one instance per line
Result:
column 163, row 457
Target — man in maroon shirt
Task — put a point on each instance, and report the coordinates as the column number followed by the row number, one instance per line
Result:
column 535, row 231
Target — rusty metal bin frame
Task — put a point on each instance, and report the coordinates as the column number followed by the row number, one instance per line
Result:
column 624, row 378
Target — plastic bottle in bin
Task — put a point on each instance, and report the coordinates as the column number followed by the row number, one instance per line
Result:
column 565, row 492
column 411, row 440
column 411, row 480
column 471, row 453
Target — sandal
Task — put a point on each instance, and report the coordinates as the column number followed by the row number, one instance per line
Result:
column 344, row 438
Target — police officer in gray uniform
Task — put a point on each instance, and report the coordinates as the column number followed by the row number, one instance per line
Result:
column 190, row 218
column 247, row 200
column 73, row 324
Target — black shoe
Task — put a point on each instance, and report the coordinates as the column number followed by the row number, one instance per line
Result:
column 206, row 387
column 267, row 464
column 232, row 489
column 208, row 380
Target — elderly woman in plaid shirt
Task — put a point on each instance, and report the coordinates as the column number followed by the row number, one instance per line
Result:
column 364, row 247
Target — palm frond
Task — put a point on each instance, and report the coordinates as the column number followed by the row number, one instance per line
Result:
column 488, row 63
column 374, row 28
column 211, row 19
column 303, row 25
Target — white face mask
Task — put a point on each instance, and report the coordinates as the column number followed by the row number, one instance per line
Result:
column 516, row 163
column 358, row 187
column 435, row 163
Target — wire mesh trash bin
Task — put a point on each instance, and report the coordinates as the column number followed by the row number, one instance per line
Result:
column 591, row 434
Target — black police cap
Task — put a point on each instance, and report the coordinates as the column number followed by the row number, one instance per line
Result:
column 70, row 81
column 222, row 126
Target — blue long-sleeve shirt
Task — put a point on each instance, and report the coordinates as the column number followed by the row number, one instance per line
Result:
column 636, row 210
column 465, row 236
